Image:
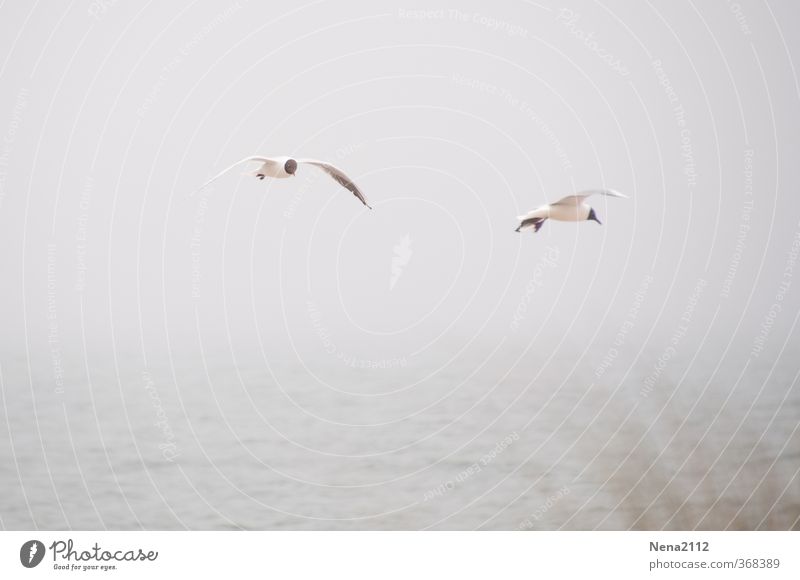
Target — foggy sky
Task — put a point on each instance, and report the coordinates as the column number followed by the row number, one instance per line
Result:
column 453, row 122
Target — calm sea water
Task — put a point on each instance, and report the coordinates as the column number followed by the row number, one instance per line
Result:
column 547, row 445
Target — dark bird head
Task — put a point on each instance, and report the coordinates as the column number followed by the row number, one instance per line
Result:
column 290, row 166
column 593, row 216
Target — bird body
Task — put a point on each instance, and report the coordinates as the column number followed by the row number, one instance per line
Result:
column 562, row 213
column 572, row 208
column 275, row 168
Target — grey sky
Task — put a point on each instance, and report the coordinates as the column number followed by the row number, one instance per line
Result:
column 452, row 121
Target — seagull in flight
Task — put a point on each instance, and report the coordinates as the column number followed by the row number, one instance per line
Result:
column 572, row 208
column 282, row 167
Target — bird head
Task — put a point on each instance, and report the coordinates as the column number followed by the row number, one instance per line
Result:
column 593, row 216
column 290, row 166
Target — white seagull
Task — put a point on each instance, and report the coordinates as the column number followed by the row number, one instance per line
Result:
column 569, row 209
column 282, row 167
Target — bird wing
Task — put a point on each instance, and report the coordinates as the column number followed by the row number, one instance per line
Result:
column 339, row 176
column 539, row 212
column 224, row 171
column 578, row 198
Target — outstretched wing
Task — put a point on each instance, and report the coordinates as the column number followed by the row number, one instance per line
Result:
column 578, row 198
column 224, row 171
column 339, row 176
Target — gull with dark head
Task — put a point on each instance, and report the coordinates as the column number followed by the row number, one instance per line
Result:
column 282, row 167
column 572, row 208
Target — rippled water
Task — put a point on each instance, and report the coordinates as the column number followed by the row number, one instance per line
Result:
column 547, row 445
